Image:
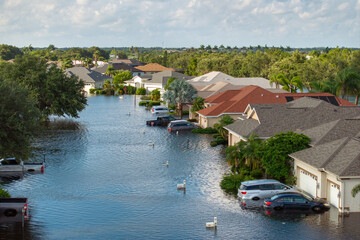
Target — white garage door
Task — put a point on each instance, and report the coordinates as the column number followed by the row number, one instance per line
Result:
column 308, row 182
column 333, row 193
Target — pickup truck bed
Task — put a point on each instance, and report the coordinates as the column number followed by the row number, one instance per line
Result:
column 15, row 165
column 160, row 121
column 13, row 210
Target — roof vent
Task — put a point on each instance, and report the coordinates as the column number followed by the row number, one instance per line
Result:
column 262, row 95
column 277, row 96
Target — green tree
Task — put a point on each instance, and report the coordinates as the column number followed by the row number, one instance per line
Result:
column 274, row 154
column 19, row 118
column 155, row 95
column 121, row 76
column 66, row 63
column 191, row 69
column 290, row 85
column 8, row 52
column 141, row 91
column 55, row 93
column 198, row 104
column 225, row 120
column 179, row 93
column 168, row 83
column 345, row 79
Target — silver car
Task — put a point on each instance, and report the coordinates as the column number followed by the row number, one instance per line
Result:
column 261, row 189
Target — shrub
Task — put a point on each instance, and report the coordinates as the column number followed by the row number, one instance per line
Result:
column 192, row 120
column 218, row 141
column 207, row 130
column 141, row 91
column 154, row 103
column 185, row 112
column 4, row 193
column 144, row 103
column 231, row 183
column 256, row 173
column 145, row 97
column 92, row 90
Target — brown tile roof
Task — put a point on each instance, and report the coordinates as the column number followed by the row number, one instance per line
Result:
column 236, row 101
column 153, row 67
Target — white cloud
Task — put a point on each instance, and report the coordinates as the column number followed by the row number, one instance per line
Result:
column 180, row 23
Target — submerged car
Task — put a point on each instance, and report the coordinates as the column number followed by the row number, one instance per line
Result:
column 159, row 109
column 261, row 189
column 179, row 125
column 295, row 201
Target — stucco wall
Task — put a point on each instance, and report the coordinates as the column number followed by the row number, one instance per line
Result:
column 233, row 139
column 350, row 201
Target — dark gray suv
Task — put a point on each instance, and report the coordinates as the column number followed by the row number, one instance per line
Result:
column 178, row 125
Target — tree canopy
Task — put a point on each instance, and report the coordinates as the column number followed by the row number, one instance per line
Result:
column 54, row 92
column 19, row 119
column 179, row 93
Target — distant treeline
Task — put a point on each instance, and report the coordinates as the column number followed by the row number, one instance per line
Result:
column 333, row 70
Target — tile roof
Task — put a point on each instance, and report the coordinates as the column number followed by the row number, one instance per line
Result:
column 153, row 67
column 240, row 98
column 87, row 75
column 341, row 157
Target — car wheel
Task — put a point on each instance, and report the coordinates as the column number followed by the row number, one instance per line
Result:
column 316, row 209
column 10, row 212
column 277, row 208
column 255, row 198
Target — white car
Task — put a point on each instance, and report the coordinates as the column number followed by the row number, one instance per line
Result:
column 159, row 109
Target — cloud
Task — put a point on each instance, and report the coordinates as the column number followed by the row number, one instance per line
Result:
column 177, row 23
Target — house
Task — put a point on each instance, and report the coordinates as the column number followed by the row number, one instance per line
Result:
column 202, row 83
column 156, row 80
column 331, row 170
column 234, row 102
column 152, row 68
column 92, row 79
column 117, row 66
column 298, row 115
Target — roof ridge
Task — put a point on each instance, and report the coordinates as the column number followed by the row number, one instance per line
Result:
column 338, row 149
column 337, row 122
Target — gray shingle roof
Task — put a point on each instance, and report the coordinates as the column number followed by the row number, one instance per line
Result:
column 341, row 157
column 298, row 116
column 87, row 75
column 162, row 77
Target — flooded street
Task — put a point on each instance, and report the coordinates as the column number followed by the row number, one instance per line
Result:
column 107, row 181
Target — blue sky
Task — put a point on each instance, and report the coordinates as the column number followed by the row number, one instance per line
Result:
column 180, row 23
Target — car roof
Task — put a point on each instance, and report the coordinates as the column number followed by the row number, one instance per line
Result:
column 260, row 181
column 159, row 107
column 179, row 121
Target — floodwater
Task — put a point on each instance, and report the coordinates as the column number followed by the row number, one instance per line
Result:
column 107, row 182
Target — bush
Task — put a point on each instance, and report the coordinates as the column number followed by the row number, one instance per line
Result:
column 218, row 141
column 256, row 173
column 207, row 130
column 154, row 103
column 141, row 91
column 145, row 97
column 185, row 112
column 231, row 183
column 144, row 103
column 92, row 90
column 192, row 120
column 4, row 193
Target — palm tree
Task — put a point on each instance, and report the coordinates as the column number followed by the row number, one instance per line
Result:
column 96, row 56
column 198, row 104
column 344, row 80
column 354, row 85
column 355, row 190
column 179, row 93
column 291, row 85
column 250, row 151
column 273, row 80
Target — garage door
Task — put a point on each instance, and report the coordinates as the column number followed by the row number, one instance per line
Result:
column 307, row 182
column 333, row 194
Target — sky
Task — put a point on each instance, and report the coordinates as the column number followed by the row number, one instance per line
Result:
column 180, row 23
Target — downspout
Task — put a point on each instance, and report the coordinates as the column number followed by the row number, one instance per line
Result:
column 342, row 196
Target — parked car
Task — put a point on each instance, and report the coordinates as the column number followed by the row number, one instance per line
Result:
column 16, row 165
column 159, row 109
column 295, row 201
column 179, row 125
column 261, row 189
column 160, row 121
column 13, row 210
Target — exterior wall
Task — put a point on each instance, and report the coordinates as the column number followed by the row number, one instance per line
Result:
column 351, row 204
column 88, row 86
column 205, row 122
column 233, row 139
